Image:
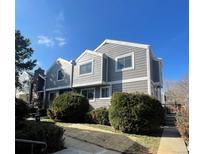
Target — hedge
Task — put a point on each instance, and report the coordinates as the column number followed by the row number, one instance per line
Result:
column 69, row 107
column 21, row 109
column 38, row 131
column 135, row 113
column 98, row 116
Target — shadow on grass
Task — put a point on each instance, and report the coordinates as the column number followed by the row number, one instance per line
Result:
column 110, row 141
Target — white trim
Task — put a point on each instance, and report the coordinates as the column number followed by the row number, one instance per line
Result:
column 110, row 92
column 128, row 80
column 42, row 76
column 122, row 56
column 88, row 84
column 84, row 63
column 148, row 72
column 90, row 100
column 88, row 51
column 57, row 88
column 139, row 45
column 40, row 91
column 60, row 69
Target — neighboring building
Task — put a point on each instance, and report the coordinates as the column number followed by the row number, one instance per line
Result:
column 25, row 79
column 114, row 66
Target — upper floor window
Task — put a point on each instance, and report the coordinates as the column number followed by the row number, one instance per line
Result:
column 60, row 75
column 125, row 62
column 86, row 68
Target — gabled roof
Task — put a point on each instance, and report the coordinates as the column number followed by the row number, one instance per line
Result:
column 58, row 60
column 139, row 45
column 90, row 52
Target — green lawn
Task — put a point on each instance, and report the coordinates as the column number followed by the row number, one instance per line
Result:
column 107, row 137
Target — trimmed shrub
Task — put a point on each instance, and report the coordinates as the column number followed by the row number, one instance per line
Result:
column 39, row 131
column 69, row 107
column 135, row 113
column 98, row 116
column 182, row 122
column 21, row 109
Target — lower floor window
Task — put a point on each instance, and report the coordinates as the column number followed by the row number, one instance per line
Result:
column 52, row 96
column 105, row 92
column 88, row 93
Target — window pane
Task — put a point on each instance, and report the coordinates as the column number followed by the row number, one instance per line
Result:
column 60, row 75
column 84, row 93
column 86, row 68
column 128, row 61
column 90, row 94
column 120, row 63
column 105, row 92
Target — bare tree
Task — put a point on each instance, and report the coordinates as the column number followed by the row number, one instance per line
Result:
column 177, row 91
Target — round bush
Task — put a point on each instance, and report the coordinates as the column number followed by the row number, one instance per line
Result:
column 69, row 107
column 39, row 131
column 135, row 113
column 21, row 109
column 98, row 116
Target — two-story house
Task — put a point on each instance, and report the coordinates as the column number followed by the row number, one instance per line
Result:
column 114, row 66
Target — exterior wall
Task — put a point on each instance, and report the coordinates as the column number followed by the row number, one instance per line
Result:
column 52, row 82
column 156, row 71
column 85, row 79
column 131, row 87
column 115, row 50
column 105, row 68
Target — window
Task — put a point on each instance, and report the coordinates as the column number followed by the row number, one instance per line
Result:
column 125, row 62
column 86, row 68
column 60, row 75
column 105, row 92
column 88, row 93
column 51, row 97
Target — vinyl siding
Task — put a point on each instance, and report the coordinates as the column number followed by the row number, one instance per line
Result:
column 105, row 69
column 156, row 71
column 114, row 50
column 97, row 101
column 96, row 76
column 131, row 87
column 52, row 82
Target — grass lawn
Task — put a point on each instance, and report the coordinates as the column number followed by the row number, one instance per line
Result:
column 107, row 137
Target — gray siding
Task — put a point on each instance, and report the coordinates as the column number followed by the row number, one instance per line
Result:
column 96, row 76
column 114, row 50
column 97, row 102
column 131, row 87
column 156, row 71
column 52, row 81
column 105, row 69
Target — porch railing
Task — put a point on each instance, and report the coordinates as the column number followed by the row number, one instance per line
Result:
column 32, row 142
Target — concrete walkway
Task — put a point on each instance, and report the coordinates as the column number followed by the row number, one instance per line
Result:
column 171, row 142
column 75, row 146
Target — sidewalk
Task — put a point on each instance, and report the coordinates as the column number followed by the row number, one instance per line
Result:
column 171, row 142
column 75, row 146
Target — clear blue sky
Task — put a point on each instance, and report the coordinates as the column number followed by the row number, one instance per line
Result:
column 65, row 28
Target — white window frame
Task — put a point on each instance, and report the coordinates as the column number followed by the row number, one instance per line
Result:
column 83, row 63
column 110, row 92
column 63, row 74
column 90, row 100
column 122, row 56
